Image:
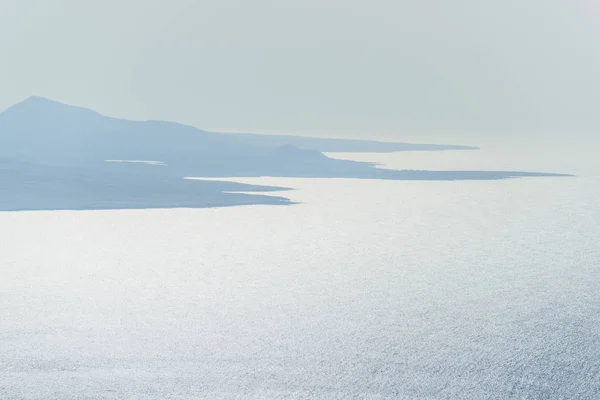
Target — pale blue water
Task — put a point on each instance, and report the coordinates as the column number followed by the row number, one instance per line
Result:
column 367, row 290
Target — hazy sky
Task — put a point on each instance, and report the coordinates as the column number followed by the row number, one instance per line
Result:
column 312, row 66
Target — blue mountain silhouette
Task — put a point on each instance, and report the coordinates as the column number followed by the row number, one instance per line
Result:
column 57, row 156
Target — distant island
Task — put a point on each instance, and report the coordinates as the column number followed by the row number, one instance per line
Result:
column 56, row 156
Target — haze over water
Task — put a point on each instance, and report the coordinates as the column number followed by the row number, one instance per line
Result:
column 366, row 289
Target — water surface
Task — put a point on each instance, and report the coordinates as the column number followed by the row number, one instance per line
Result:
column 365, row 289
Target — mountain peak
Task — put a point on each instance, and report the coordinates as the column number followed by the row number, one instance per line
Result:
column 39, row 99
column 38, row 105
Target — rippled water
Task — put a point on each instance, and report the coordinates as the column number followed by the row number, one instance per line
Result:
column 367, row 289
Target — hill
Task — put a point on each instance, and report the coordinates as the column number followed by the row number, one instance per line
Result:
column 57, row 156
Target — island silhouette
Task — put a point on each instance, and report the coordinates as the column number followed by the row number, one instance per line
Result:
column 55, row 156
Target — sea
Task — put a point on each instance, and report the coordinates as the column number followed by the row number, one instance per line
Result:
column 363, row 289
